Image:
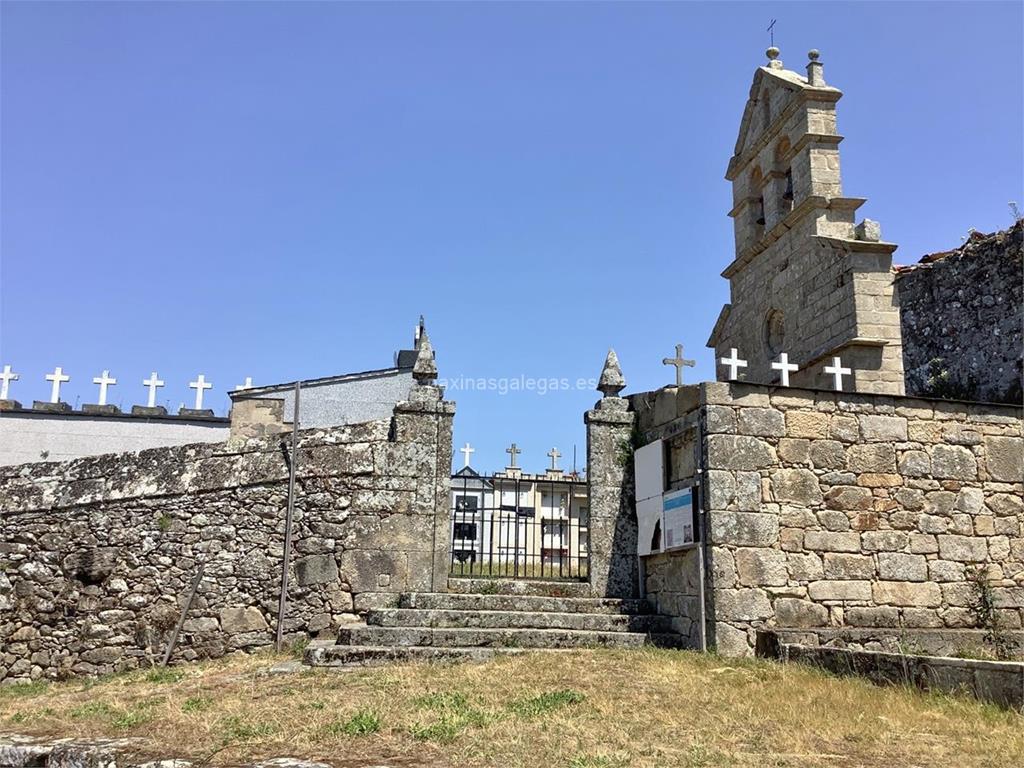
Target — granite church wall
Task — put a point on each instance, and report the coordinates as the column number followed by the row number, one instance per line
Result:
column 962, row 315
column 843, row 516
column 97, row 554
column 850, row 511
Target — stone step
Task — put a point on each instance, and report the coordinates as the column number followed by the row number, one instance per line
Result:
column 376, row 655
column 470, row 586
column 532, row 603
column 501, row 638
column 594, row 622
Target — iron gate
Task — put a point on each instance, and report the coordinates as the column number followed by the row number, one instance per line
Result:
column 520, row 527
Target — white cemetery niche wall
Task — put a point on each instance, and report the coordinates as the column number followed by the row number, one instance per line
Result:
column 32, row 436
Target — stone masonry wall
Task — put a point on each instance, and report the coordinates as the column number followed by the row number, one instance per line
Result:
column 97, row 554
column 962, row 315
column 844, row 510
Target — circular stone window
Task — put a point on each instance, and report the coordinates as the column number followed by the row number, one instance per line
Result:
column 774, row 331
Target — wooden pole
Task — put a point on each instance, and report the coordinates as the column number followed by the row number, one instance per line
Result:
column 184, row 612
column 282, row 605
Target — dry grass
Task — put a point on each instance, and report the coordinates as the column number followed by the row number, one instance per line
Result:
column 587, row 709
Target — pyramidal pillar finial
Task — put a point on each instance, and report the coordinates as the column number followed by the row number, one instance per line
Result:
column 612, row 381
column 424, row 370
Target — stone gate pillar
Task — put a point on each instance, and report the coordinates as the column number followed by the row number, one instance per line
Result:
column 613, row 526
column 426, row 420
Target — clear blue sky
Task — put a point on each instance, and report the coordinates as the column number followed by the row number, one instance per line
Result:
column 278, row 190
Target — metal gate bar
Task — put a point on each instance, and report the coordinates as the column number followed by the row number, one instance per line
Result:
column 507, row 526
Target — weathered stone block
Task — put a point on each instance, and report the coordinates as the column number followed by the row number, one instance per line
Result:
column 1006, row 505
column 827, row 541
column 834, row 520
column 844, row 566
column 923, row 595
column 804, row 566
column 742, row 604
column 238, row 620
column 882, row 616
column 844, row 428
column 791, row 612
column 965, row 549
column 1004, row 458
column 884, row 541
column 871, row 457
column 896, row 566
column 316, row 569
column 794, row 451
column 744, row 529
column 970, row 500
column 923, row 544
column 761, row 422
column 739, row 452
column 797, row 486
column 731, row 641
column 953, row 462
column 848, row 497
column 828, row 454
column 720, row 419
column 944, row 570
column 761, row 567
column 808, row 424
column 858, row 591
column 883, row 428
column 915, row 464
column 791, row 539
column 748, row 491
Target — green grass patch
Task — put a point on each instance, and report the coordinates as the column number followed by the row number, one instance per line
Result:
column 163, row 675
column 362, row 723
column 196, row 704
column 93, row 709
column 546, row 702
column 453, row 713
column 237, row 729
column 131, row 718
column 18, row 690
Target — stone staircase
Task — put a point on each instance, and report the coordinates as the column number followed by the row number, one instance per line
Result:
column 500, row 618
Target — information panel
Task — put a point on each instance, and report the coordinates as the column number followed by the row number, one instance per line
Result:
column 677, row 518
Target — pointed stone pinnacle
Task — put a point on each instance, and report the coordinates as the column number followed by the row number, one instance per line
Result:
column 612, row 381
column 425, row 369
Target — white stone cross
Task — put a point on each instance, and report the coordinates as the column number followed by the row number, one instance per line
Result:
column 784, row 367
column 836, row 371
column 465, row 451
column 56, row 377
column 246, row 385
column 733, row 363
column 555, row 455
column 6, row 377
column 104, row 381
column 199, row 385
column 152, row 382
column 679, row 362
column 513, row 451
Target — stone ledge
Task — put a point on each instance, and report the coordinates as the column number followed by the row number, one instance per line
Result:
column 997, row 682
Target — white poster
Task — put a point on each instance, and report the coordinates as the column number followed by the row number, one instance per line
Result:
column 677, row 518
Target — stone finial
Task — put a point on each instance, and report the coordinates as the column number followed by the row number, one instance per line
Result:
column 425, row 369
column 612, row 381
column 815, row 69
column 773, row 58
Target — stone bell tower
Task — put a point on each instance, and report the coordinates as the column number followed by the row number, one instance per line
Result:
column 806, row 280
